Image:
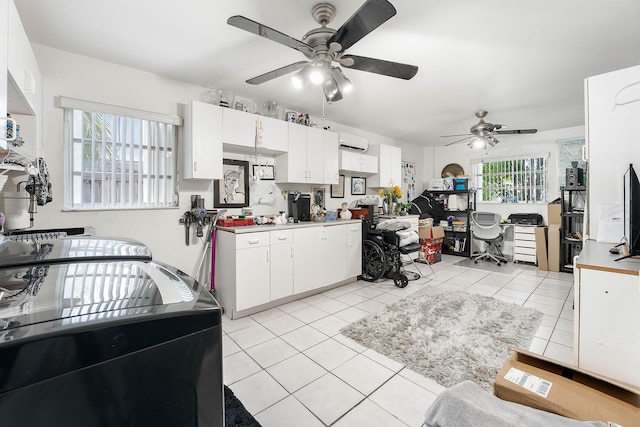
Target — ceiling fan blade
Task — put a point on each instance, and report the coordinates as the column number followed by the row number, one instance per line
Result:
column 460, row 134
column 266, row 32
column 515, row 131
column 370, row 16
column 277, row 73
column 380, row 66
column 459, row 140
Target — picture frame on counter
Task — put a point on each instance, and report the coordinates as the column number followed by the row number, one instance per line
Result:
column 232, row 191
column 358, row 186
column 318, row 196
column 337, row 190
column 265, row 172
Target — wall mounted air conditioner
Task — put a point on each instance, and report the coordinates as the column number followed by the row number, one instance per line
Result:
column 353, row 142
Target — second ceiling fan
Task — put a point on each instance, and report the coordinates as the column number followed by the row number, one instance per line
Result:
column 325, row 48
column 483, row 133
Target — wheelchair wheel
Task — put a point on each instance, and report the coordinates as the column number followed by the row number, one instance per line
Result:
column 401, row 281
column 373, row 261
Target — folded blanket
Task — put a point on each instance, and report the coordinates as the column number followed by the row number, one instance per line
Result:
column 406, row 237
column 467, row 405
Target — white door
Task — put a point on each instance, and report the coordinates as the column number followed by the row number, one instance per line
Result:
column 275, row 134
column 315, row 156
column 238, row 127
column 335, row 253
column 297, row 154
column 331, row 174
column 308, row 261
column 354, row 250
column 281, row 264
column 253, row 274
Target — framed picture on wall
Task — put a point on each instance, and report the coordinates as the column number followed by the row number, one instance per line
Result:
column 337, row 190
column 317, row 196
column 232, row 191
column 264, row 172
column 358, row 185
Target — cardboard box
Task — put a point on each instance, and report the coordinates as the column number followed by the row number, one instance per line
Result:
column 553, row 249
column 541, row 248
column 571, row 393
column 431, row 233
column 554, row 213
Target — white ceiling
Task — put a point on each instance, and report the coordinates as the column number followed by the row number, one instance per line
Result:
column 523, row 61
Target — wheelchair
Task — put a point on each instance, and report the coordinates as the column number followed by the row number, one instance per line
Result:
column 382, row 255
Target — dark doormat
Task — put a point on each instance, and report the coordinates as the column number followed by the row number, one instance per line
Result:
column 505, row 267
column 235, row 414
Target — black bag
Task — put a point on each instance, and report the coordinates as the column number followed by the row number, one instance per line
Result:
column 427, row 206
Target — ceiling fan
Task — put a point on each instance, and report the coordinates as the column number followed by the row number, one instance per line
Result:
column 325, row 48
column 483, row 133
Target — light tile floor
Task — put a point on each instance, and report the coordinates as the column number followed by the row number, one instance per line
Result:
column 290, row 366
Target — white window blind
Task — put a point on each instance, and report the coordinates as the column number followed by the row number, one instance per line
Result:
column 118, row 158
column 518, row 180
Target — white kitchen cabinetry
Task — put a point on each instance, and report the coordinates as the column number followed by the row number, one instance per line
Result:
column 20, row 81
column 307, row 160
column 281, row 243
column 239, row 131
column 354, row 250
column 524, row 243
column 256, row 270
column 354, row 161
column 389, row 166
column 606, row 315
column 202, row 141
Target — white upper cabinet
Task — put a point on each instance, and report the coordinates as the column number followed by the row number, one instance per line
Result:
column 23, row 71
column 354, row 161
column 311, row 157
column 389, row 166
column 243, row 131
column 202, row 141
column 4, row 8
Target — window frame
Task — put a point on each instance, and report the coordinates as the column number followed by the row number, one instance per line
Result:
column 166, row 140
column 479, row 174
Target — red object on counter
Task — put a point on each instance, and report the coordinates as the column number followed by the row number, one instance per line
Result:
column 237, row 222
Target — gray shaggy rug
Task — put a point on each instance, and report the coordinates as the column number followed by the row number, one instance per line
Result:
column 448, row 336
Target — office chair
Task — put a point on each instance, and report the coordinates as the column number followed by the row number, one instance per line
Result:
column 486, row 227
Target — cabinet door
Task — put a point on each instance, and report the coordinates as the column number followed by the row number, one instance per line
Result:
column 315, row 155
column 4, row 7
column 609, row 342
column 308, row 260
column 297, row 154
column 252, row 277
column 202, row 148
column 238, row 128
column 275, row 135
column 354, row 250
column 335, row 253
column 331, row 174
column 281, row 264
column 369, row 164
column 395, row 167
column 349, row 161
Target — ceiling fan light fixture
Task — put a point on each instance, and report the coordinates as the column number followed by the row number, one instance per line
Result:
column 317, row 73
column 299, row 79
column 343, row 83
column 478, row 143
column 491, row 140
column 331, row 90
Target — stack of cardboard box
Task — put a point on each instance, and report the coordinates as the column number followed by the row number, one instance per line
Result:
column 548, row 239
column 431, row 239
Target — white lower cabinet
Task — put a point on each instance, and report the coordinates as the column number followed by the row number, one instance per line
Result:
column 281, row 264
column 256, row 268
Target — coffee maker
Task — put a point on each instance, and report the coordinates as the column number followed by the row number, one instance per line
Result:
column 299, row 206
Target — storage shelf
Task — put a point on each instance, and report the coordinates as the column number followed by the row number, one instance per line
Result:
column 452, row 235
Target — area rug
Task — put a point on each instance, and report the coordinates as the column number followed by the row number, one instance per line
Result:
column 235, row 414
column 448, row 336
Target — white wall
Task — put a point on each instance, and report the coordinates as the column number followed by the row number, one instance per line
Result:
column 538, row 143
column 612, row 138
column 81, row 77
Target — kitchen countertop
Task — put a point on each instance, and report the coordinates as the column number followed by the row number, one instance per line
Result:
column 289, row 226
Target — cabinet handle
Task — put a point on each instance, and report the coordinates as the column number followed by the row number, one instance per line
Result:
column 349, row 242
column 195, row 166
column 267, row 255
column 291, row 251
column 282, row 237
column 253, row 242
column 13, row 122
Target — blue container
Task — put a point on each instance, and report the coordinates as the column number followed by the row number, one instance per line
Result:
column 460, row 184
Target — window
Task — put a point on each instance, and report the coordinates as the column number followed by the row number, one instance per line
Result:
column 118, row 158
column 521, row 180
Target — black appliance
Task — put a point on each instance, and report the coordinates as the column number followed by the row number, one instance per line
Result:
column 94, row 333
column 526, row 219
column 299, row 206
column 373, row 212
